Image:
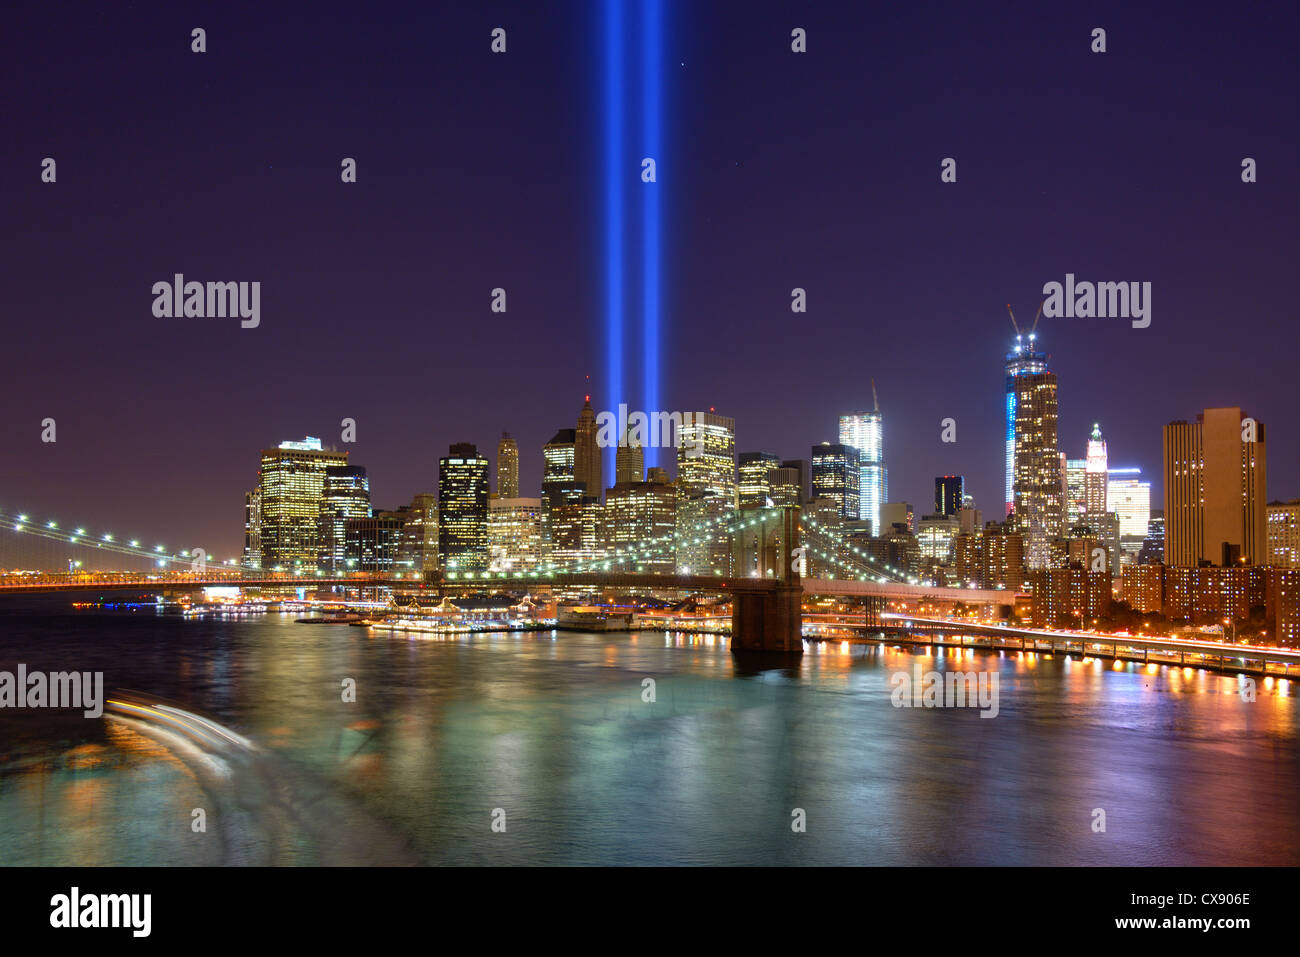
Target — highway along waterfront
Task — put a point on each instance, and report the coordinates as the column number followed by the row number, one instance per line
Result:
column 642, row 747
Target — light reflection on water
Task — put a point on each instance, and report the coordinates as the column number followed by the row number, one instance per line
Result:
column 553, row 729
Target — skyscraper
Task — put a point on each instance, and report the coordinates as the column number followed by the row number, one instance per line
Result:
column 1130, row 498
column 865, row 431
column 463, row 509
column 785, row 486
column 507, row 467
column 804, row 473
column 1021, row 360
column 835, row 475
column 1075, row 497
column 1284, row 533
column 346, row 496
column 557, row 462
column 755, row 486
column 640, row 512
column 629, row 462
column 586, row 453
column 1215, row 490
column 253, row 529
column 1038, row 487
column 514, row 534
column 706, row 492
column 949, row 494
column 1095, row 478
column 292, row 485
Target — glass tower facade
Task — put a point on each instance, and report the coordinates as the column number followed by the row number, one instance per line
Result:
column 1021, row 360
column 865, row 431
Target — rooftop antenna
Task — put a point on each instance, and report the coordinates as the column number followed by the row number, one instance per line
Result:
column 874, row 401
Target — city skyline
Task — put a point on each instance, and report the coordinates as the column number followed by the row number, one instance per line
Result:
column 632, row 433
column 908, row 274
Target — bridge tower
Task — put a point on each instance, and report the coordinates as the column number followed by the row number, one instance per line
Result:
column 767, row 613
column 872, row 606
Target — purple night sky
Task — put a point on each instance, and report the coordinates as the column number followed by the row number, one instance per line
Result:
column 476, row 170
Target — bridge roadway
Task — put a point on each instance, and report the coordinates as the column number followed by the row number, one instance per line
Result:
column 604, row 579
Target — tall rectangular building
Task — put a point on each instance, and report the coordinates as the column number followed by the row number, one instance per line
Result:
column 463, row 509
column 755, row 486
column 706, row 493
column 640, row 518
column 1130, row 498
column 805, row 483
column 1215, row 490
column 949, row 494
column 1284, row 534
column 507, row 467
column 1023, row 359
column 292, row 486
column 586, row 451
column 346, row 496
column 865, row 432
column 835, row 475
column 1039, row 509
column 1096, row 478
column 514, row 535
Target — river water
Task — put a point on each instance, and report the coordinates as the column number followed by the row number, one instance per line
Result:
column 542, row 748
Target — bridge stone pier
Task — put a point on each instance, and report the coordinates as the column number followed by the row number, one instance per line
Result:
column 767, row 613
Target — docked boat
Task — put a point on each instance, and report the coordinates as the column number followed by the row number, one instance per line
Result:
column 346, row 619
column 591, row 618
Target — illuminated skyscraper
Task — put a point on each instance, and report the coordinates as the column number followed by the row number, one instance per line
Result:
column 1283, row 536
column 865, row 431
column 805, row 477
column 253, row 529
column 419, row 550
column 1215, row 490
column 1075, row 470
column 372, row 543
column 1095, row 479
column 463, row 509
column 785, row 485
column 835, row 475
column 346, row 496
column 629, row 462
column 586, row 452
column 507, row 467
column 755, row 486
column 706, row 492
column 949, row 495
column 1021, row 360
column 1130, row 498
column 642, row 512
column 514, row 534
column 291, row 485
column 1039, row 487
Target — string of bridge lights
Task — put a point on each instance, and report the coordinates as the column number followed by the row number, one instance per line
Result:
column 107, row 541
column 651, row 547
column 830, row 534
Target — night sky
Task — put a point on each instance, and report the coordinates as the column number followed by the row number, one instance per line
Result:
column 475, row 170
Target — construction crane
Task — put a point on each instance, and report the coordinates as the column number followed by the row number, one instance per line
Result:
column 1031, row 328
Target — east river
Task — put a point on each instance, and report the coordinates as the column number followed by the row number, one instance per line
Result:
column 545, row 748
